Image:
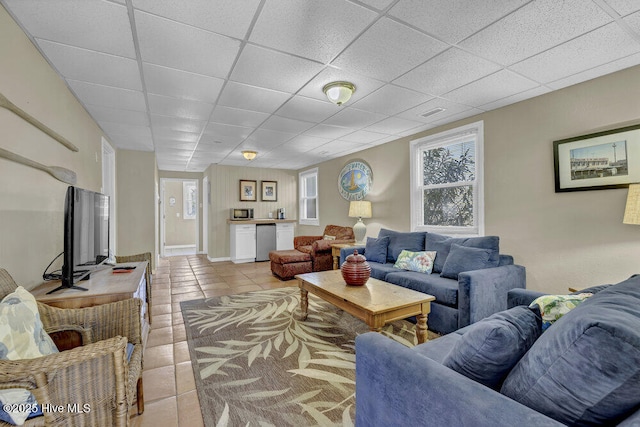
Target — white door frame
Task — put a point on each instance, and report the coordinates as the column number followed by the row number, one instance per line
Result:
column 109, row 188
column 206, row 199
column 163, row 181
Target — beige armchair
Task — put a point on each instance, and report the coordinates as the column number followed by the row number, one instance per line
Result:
column 139, row 258
column 96, row 373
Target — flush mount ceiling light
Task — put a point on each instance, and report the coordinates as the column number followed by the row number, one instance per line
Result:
column 249, row 155
column 339, row 92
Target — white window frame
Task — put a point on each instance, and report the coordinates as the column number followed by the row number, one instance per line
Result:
column 445, row 138
column 302, row 180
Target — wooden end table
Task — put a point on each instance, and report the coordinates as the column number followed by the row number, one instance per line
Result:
column 335, row 252
column 376, row 302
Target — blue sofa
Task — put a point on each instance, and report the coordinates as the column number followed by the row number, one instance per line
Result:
column 473, row 290
column 583, row 370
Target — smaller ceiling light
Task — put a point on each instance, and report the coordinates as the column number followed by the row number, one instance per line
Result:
column 249, row 155
column 339, row 92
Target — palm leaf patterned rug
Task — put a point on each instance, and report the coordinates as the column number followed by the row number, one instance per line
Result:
column 257, row 364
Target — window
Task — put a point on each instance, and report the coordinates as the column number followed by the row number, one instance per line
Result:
column 446, row 182
column 309, row 197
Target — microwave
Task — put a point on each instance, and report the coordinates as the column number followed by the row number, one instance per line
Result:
column 242, row 213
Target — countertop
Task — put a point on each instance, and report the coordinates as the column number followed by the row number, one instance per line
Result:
column 260, row 221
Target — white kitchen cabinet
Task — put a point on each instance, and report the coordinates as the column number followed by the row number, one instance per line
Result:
column 243, row 243
column 284, row 236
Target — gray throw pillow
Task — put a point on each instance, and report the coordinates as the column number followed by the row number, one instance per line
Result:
column 376, row 249
column 463, row 258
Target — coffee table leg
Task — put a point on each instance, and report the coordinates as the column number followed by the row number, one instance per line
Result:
column 421, row 328
column 304, row 303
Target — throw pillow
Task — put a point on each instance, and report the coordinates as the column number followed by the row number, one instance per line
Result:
column 442, row 245
column 411, row 241
column 22, row 336
column 422, row 262
column 463, row 258
column 17, row 405
column 488, row 351
column 553, row 307
column 327, row 237
column 376, row 249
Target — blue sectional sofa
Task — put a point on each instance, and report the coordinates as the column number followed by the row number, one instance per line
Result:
column 583, row 370
column 469, row 278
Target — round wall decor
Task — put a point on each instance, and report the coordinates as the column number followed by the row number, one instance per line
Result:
column 355, row 180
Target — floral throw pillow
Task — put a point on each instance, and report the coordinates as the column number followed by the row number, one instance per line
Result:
column 422, row 262
column 553, row 307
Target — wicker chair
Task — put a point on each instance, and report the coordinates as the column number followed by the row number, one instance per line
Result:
column 139, row 258
column 96, row 374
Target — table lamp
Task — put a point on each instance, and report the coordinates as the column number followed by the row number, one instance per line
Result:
column 359, row 209
column 632, row 210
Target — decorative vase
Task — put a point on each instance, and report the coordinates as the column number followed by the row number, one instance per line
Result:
column 356, row 270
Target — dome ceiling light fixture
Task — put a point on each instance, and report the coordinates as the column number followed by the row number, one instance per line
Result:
column 339, row 92
column 249, row 155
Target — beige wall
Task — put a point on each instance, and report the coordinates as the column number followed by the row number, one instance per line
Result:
column 225, row 187
column 32, row 201
column 563, row 239
column 178, row 231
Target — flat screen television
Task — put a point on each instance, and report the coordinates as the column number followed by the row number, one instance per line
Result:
column 86, row 235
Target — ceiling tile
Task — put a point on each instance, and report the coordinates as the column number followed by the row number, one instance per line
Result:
column 450, row 109
column 180, row 46
column 391, row 100
column 91, row 66
column 329, row 132
column 235, row 116
column 107, row 96
column 491, row 88
column 229, row 17
column 624, row 7
column 227, row 133
column 393, row 125
column 453, row 20
column 595, row 48
column 307, row 109
column 142, row 132
column 245, row 97
column 534, row 28
column 447, row 71
column 273, row 70
column 353, row 118
column 95, row 25
column 181, row 84
column 284, row 124
column 378, row 4
column 592, row 73
column 129, row 142
column 303, row 143
column 174, row 137
column 116, row 115
column 364, row 137
column 164, row 144
column 311, row 29
column 265, row 138
column 177, row 123
column 186, row 108
column 387, row 50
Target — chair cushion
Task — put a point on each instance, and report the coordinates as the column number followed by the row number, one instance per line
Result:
column 465, row 258
column 490, row 348
column 376, row 249
column 442, row 245
column 339, row 232
column 289, row 256
column 411, row 241
column 585, row 369
column 421, row 262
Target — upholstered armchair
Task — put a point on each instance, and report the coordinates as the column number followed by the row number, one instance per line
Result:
column 95, row 377
column 147, row 274
column 319, row 247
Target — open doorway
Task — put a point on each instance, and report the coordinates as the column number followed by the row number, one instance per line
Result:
column 179, row 228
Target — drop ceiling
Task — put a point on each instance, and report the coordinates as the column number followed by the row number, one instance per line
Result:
column 199, row 81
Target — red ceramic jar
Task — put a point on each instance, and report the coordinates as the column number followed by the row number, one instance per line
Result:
column 356, row 270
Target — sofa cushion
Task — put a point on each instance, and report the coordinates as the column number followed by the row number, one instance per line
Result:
column 585, row 370
column 445, row 290
column 379, row 271
column 442, row 245
column 490, row 348
column 376, row 249
column 411, row 241
column 421, row 262
column 465, row 258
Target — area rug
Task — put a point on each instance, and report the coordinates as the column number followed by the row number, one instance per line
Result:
column 257, row 364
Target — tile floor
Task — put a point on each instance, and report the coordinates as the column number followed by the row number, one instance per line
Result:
column 169, row 386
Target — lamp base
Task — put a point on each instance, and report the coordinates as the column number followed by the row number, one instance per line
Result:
column 359, row 231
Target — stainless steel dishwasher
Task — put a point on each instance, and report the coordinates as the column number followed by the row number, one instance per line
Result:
column 265, row 241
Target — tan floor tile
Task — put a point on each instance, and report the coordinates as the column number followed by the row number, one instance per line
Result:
column 160, row 336
column 246, row 288
column 214, row 285
column 177, row 318
column 159, row 383
column 161, row 320
column 184, row 378
column 187, row 297
column 235, row 282
column 189, row 414
column 157, row 356
column 160, row 309
column 181, row 352
column 179, row 333
column 160, row 413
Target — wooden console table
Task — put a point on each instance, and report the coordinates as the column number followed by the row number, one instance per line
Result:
column 104, row 287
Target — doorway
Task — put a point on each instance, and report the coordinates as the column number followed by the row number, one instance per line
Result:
column 179, row 225
column 109, row 189
column 206, row 200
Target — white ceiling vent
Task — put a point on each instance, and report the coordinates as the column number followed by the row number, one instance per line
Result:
column 432, row 112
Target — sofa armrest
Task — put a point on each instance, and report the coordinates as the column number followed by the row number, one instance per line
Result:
column 517, row 297
column 482, row 293
column 345, row 252
column 305, row 240
column 396, row 385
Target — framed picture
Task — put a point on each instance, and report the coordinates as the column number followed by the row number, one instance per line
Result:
column 269, row 191
column 598, row 161
column 248, row 190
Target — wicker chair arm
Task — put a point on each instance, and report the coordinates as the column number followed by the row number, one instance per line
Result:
column 104, row 321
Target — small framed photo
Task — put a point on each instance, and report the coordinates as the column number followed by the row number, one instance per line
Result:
column 269, row 191
column 248, row 190
column 598, row 161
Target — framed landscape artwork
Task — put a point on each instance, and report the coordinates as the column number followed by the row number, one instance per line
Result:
column 269, row 191
column 598, row 161
column 248, row 190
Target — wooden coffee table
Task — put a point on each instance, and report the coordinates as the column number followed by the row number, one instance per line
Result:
column 376, row 303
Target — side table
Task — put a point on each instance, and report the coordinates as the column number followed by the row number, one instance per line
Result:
column 335, row 252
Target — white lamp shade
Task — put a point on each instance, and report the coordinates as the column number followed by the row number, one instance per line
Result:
column 632, row 210
column 360, row 209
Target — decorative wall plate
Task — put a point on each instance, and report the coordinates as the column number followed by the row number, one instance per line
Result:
column 355, row 180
